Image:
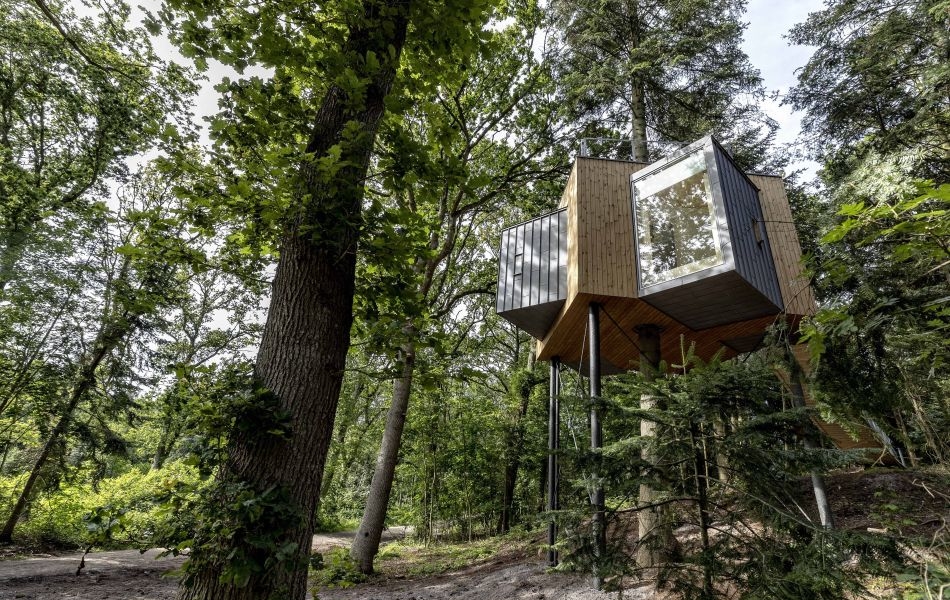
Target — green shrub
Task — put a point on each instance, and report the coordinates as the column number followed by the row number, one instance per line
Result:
column 60, row 517
column 338, row 570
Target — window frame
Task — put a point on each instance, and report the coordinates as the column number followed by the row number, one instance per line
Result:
column 718, row 210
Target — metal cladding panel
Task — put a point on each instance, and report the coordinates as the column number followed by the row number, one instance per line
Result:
column 712, row 301
column 744, row 285
column 752, row 253
column 532, row 272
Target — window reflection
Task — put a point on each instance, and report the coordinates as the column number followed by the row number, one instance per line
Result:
column 676, row 222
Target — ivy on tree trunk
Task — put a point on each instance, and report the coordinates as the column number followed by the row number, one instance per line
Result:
column 307, row 334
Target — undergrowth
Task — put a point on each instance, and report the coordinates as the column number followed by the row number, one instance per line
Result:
column 63, row 516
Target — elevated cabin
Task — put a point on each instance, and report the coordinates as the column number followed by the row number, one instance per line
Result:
column 687, row 251
column 690, row 243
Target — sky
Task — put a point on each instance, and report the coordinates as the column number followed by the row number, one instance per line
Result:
column 777, row 61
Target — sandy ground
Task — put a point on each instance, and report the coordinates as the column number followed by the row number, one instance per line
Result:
column 129, row 574
column 114, row 575
column 524, row 580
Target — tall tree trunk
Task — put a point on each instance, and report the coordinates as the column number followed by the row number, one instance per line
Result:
column 701, row 479
column 307, row 335
column 817, row 481
column 515, row 450
column 366, row 544
column 655, row 535
column 638, row 104
column 161, row 453
column 109, row 337
column 638, row 108
column 721, row 430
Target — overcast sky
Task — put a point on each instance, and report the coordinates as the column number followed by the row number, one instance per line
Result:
column 767, row 48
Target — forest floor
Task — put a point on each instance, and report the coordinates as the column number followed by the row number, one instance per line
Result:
column 911, row 505
column 128, row 574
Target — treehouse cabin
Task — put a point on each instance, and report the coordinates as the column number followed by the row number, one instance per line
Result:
column 648, row 260
column 690, row 244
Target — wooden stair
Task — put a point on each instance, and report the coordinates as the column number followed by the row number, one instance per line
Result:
column 837, row 434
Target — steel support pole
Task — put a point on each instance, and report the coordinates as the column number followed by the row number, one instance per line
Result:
column 817, row 481
column 554, row 444
column 596, row 439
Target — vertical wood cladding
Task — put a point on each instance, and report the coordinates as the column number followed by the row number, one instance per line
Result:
column 797, row 295
column 569, row 205
column 606, row 261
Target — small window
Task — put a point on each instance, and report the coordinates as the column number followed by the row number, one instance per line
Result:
column 677, row 230
column 519, row 263
column 758, row 231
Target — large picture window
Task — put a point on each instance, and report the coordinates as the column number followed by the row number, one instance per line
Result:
column 677, row 232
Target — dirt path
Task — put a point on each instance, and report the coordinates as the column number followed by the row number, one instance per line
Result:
column 521, row 580
column 121, row 574
column 128, row 574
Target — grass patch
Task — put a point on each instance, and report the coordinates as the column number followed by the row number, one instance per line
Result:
column 335, row 569
column 334, row 523
column 407, row 559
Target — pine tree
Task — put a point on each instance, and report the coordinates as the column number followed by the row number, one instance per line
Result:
column 661, row 73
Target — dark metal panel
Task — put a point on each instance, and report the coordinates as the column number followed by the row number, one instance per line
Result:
column 753, row 260
column 532, row 273
column 510, row 274
column 548, row 256
column 510, row 270
column 550, row 231
column 535, row 262
column 501, row 296
column 562, row 254
column 518, row 281
column 550, row 266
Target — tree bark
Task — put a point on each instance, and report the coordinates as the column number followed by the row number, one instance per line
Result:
column 817, row 481
column 721, row 429
column 161, row 453
column 515, row 450
column 638, row 106
column 655, row 535
column 366, row 544
column 307, row 334
column 639, row 121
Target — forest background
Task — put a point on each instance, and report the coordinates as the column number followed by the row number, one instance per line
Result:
column 138, row 269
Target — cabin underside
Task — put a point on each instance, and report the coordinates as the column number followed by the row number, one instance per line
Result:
column 619, row 320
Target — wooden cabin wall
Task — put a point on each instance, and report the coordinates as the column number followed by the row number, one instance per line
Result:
column 786, row 249
column 569, row 201
column 606, row 263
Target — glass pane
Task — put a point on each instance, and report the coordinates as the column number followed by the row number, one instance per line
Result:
column 676, row 222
